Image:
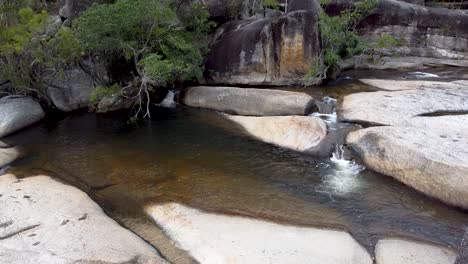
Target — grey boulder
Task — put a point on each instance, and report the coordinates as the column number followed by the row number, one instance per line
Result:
column 299, row 133
column 72, row 90
column 250, row 102
column 17, row 113
column 426, row 160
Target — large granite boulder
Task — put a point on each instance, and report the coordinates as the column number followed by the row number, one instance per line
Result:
column 44, row 221
column 422, row 31
column 412, row 102
column 276, row 50
column 299, row 133
column 17, row 113
column 250, row 102
column 431, row 162
column 393, row 250
column 422, row 143
column 72, row 90
column 214, row 238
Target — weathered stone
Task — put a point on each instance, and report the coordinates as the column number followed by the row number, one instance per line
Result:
column 114, row 102
column 298, row 133
column 17, row 113
column 398, row 85
column 400, row 107
column 7, row 154
column 426, row 160
column 299, row 5
column 399, row 62
column 44, row 221
column 422, row 31
column 212, row 238
column 253, row 102
column 268, row 51
column 392, row 251
column 72, row 90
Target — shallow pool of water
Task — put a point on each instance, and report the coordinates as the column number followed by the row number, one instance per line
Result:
column 198, row 158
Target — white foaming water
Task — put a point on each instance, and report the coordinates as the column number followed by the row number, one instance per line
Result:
column 344, row 178
column 422, row 75
column 328, row 118
column 168, row 102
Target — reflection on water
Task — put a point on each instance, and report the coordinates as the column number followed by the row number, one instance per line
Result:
column 198, row 158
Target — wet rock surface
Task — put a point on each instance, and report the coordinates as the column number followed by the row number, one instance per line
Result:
column 299, row 133
column 17, row 113
column 251, row 102
column 44, row 221
column 212, row 238
column 423, row 142
column 391, row 251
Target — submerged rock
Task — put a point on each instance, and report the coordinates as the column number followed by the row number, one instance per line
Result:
column 254, row 102
column 299, row 133
column 44, row 221
column 426, row 160
column 392, row 251
column 268, row 51
column 72, row 91
column 17, row 113
column 212, row 238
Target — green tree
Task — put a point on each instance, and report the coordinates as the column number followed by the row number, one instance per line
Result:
column 30, row 55
column 339, row 38
column 163, row 45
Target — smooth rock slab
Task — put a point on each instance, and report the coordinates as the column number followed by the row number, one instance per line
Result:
column 398, row 85
column 397, row 251
column 298, row 133
column 17, row 113
column 7, row 154
column 397, row 108
column 433, row 164
column 212, row 238
column 250, row 102
column 44, row 221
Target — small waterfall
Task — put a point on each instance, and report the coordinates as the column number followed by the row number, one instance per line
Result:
column 423, row 75
column 168, row 101
column 343, row 177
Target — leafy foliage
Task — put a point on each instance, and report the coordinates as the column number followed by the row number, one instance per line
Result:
column 33, row 51
column 162, row 43
column 151, row 34
column 101, row 91
column 272, row 4
column 339, row 37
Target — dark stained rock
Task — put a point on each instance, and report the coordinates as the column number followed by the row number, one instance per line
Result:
column 308, row 5
column 421, row 31
column 267, row 51
column 72, row 90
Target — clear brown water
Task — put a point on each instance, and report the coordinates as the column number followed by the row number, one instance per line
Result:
column 196, row 157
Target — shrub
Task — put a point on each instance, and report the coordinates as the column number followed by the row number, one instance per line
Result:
column 163, row 45
column 339, row 38
column 272, row 4
column 30, row 57
column 102, row 91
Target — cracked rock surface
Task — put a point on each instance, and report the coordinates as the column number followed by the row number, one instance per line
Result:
column 45, row 221
column 423, row 138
